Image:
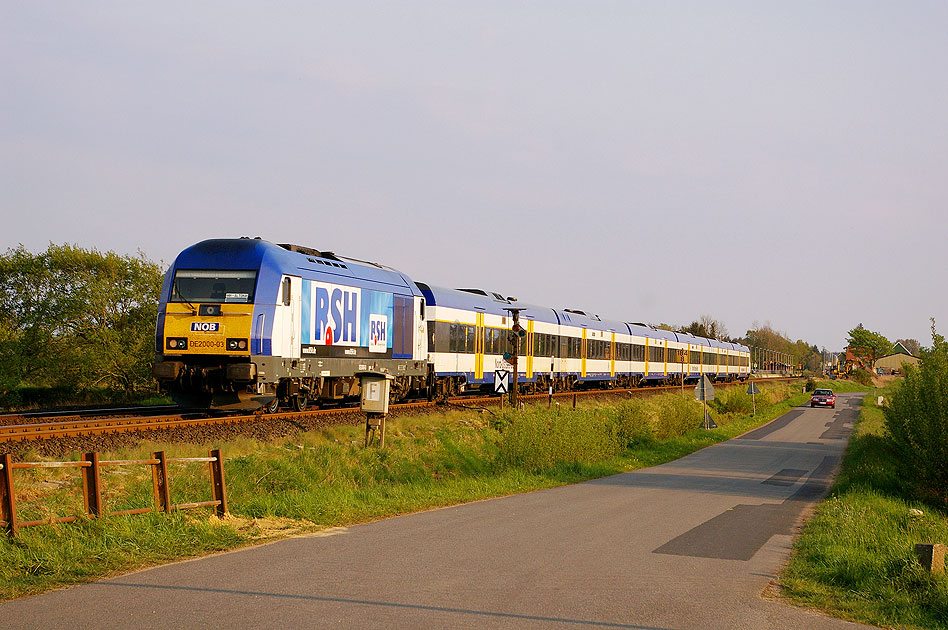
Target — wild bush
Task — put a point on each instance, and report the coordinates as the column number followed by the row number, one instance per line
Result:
column 862, row 377
column 733, row 400
column 535, row 439
column 632, row 422
column 676, row 415
column 917, row 421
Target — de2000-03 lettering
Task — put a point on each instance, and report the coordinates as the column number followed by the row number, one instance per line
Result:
column 207, row 343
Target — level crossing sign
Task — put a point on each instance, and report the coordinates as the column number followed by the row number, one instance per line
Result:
column 704, row 390
column 501, row 381
column 752, row 390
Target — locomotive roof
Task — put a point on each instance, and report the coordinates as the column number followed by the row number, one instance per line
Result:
column 276, row 260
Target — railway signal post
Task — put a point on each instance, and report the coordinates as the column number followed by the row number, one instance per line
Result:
column 516, row 334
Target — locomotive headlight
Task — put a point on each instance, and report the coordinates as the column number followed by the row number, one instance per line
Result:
column 177, row 343
column 236, row 345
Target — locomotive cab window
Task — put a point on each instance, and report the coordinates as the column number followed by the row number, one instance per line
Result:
column 200, row 285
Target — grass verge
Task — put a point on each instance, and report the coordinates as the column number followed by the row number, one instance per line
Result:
column 855, row 558
column 325, row 478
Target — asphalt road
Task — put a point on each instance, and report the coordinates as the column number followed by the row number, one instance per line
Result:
column 690, row 544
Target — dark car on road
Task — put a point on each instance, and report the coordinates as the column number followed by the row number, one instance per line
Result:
column 823, row 398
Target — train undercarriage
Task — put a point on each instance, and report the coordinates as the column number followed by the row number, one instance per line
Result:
column 272, row 384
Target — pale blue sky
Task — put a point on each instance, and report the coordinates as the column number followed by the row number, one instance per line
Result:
column 649, row 161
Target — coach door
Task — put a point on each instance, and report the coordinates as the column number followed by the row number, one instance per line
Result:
column 286, row 321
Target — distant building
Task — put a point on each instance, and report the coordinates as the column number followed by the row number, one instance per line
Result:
column 900, row 349
column 892, row 363
column 852, row 362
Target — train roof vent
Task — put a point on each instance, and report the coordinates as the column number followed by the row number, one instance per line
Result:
column 328, row 256
column 308, row 251
column 499, row 297
column 573, row 310
column 475, row 291
column 361, row 262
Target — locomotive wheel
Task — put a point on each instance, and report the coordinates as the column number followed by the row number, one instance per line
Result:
column 274, row 406
column 300, row 402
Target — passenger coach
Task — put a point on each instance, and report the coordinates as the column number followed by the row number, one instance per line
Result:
column 469, row 333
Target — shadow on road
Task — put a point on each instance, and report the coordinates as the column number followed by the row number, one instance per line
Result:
column 366, row 602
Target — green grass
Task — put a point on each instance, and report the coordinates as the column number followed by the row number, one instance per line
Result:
column 325, row 478
column 855, row 558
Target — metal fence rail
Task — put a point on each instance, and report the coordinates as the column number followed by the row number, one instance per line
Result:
column 91, row 467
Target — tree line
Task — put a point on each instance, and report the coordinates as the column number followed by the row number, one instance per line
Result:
column 806, row 355
column 76, row 320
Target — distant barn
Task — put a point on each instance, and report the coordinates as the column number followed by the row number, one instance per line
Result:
column 892, row 363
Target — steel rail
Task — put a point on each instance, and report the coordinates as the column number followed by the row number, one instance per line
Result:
column 100, row 426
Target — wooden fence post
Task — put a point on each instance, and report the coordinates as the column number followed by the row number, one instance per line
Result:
column 7, row 494
column 159, row 477
column 217, row 482
column 92, row 485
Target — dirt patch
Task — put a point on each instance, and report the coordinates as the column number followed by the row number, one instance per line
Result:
column 884, row 380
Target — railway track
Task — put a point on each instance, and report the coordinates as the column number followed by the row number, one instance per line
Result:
column 52, row 427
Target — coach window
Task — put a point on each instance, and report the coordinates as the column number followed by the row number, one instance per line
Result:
column 470, row 339
column 455, row 338
column 286, row 292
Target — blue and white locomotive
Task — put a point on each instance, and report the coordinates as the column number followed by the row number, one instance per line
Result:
column 244, row 323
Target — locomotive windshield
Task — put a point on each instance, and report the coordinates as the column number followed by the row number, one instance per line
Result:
column 204, row 285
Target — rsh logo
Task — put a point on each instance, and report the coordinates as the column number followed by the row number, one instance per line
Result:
column 378, row 333
column 205, row 326
column 337, row 315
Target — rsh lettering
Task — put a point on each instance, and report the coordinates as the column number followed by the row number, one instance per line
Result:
column 378, row 332
column 337, row 316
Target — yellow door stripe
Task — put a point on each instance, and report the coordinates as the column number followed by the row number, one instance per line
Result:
column 646, row 356
column 529, row 348
column 583, row 353
column 479, row 346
